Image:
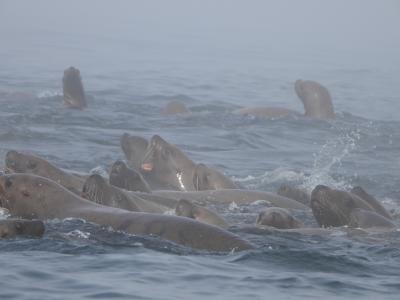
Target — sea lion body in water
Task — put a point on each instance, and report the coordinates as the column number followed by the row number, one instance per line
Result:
column 206, row 178
column 360, row 192
column 186, row 208
column 25, row 163
column 169, row 165
column 174, row 107
column 294, row 193
column 31, row 196
column 126, row 178
column 227, row 196
column 267, row 112
column 10, row 228
column 279, row 218
column 17, row 96
column 334, row 208
column 360, row 218
column 316, row 100
column 74, row 95
column 97, row 189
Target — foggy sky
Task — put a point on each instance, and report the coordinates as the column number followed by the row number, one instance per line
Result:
column 354, row 26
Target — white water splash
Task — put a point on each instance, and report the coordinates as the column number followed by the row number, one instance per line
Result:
column 4, row 213
column 79, row 234
column 48, row 93
column 99, row 170
column 233, row 206
column 278, row 175
column 169, row 212
column 331, row 156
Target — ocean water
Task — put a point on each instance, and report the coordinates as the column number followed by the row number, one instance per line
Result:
column 128, row 82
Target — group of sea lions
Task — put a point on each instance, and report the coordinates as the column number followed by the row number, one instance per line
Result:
column 35, row 189
column 315, row 97
column 160, row 191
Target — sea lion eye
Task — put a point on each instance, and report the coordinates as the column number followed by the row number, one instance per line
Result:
column 8, row 183
column 31, row 165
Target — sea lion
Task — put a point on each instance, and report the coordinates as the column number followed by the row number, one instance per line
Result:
column 279, row 218
column 267, row 112
column 360, row 218
column 170, row 166
column 74, row 95
column 294, row 193
column 134, row 148
column 97, row 189
column 17, row 96
column 25, row 163
column 174, row 107
column 316, row 99
column 360, row 192
column 10, row 228
column 186, row 208
column 126, row 178
column 34, row 197
column 238, row 196
column 335, row 208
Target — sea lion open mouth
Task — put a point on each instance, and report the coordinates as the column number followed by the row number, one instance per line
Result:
column 148, row 167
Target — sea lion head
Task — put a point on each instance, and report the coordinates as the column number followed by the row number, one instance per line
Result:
column 17, row 162
column 185, row 208
column 294, row 193
column 316, row 99
column 331, row 208
column 134, row 148
column 25, row 195
column 174, row 107
column 278, row 218
column 128, row 179
column 97, row 189
column 74, row 95
column 167, row 164
column 12, row 227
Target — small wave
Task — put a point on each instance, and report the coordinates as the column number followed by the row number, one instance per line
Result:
column 79, row 234
column 49, row 93
column 99, row 170
column 4, row 213
column 275, row 176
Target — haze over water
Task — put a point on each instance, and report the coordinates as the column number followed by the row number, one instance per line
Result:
column 215, row 56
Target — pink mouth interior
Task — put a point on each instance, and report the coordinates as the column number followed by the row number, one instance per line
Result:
column 147, row 167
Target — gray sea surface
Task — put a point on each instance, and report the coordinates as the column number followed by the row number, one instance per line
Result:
column 131, row 67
